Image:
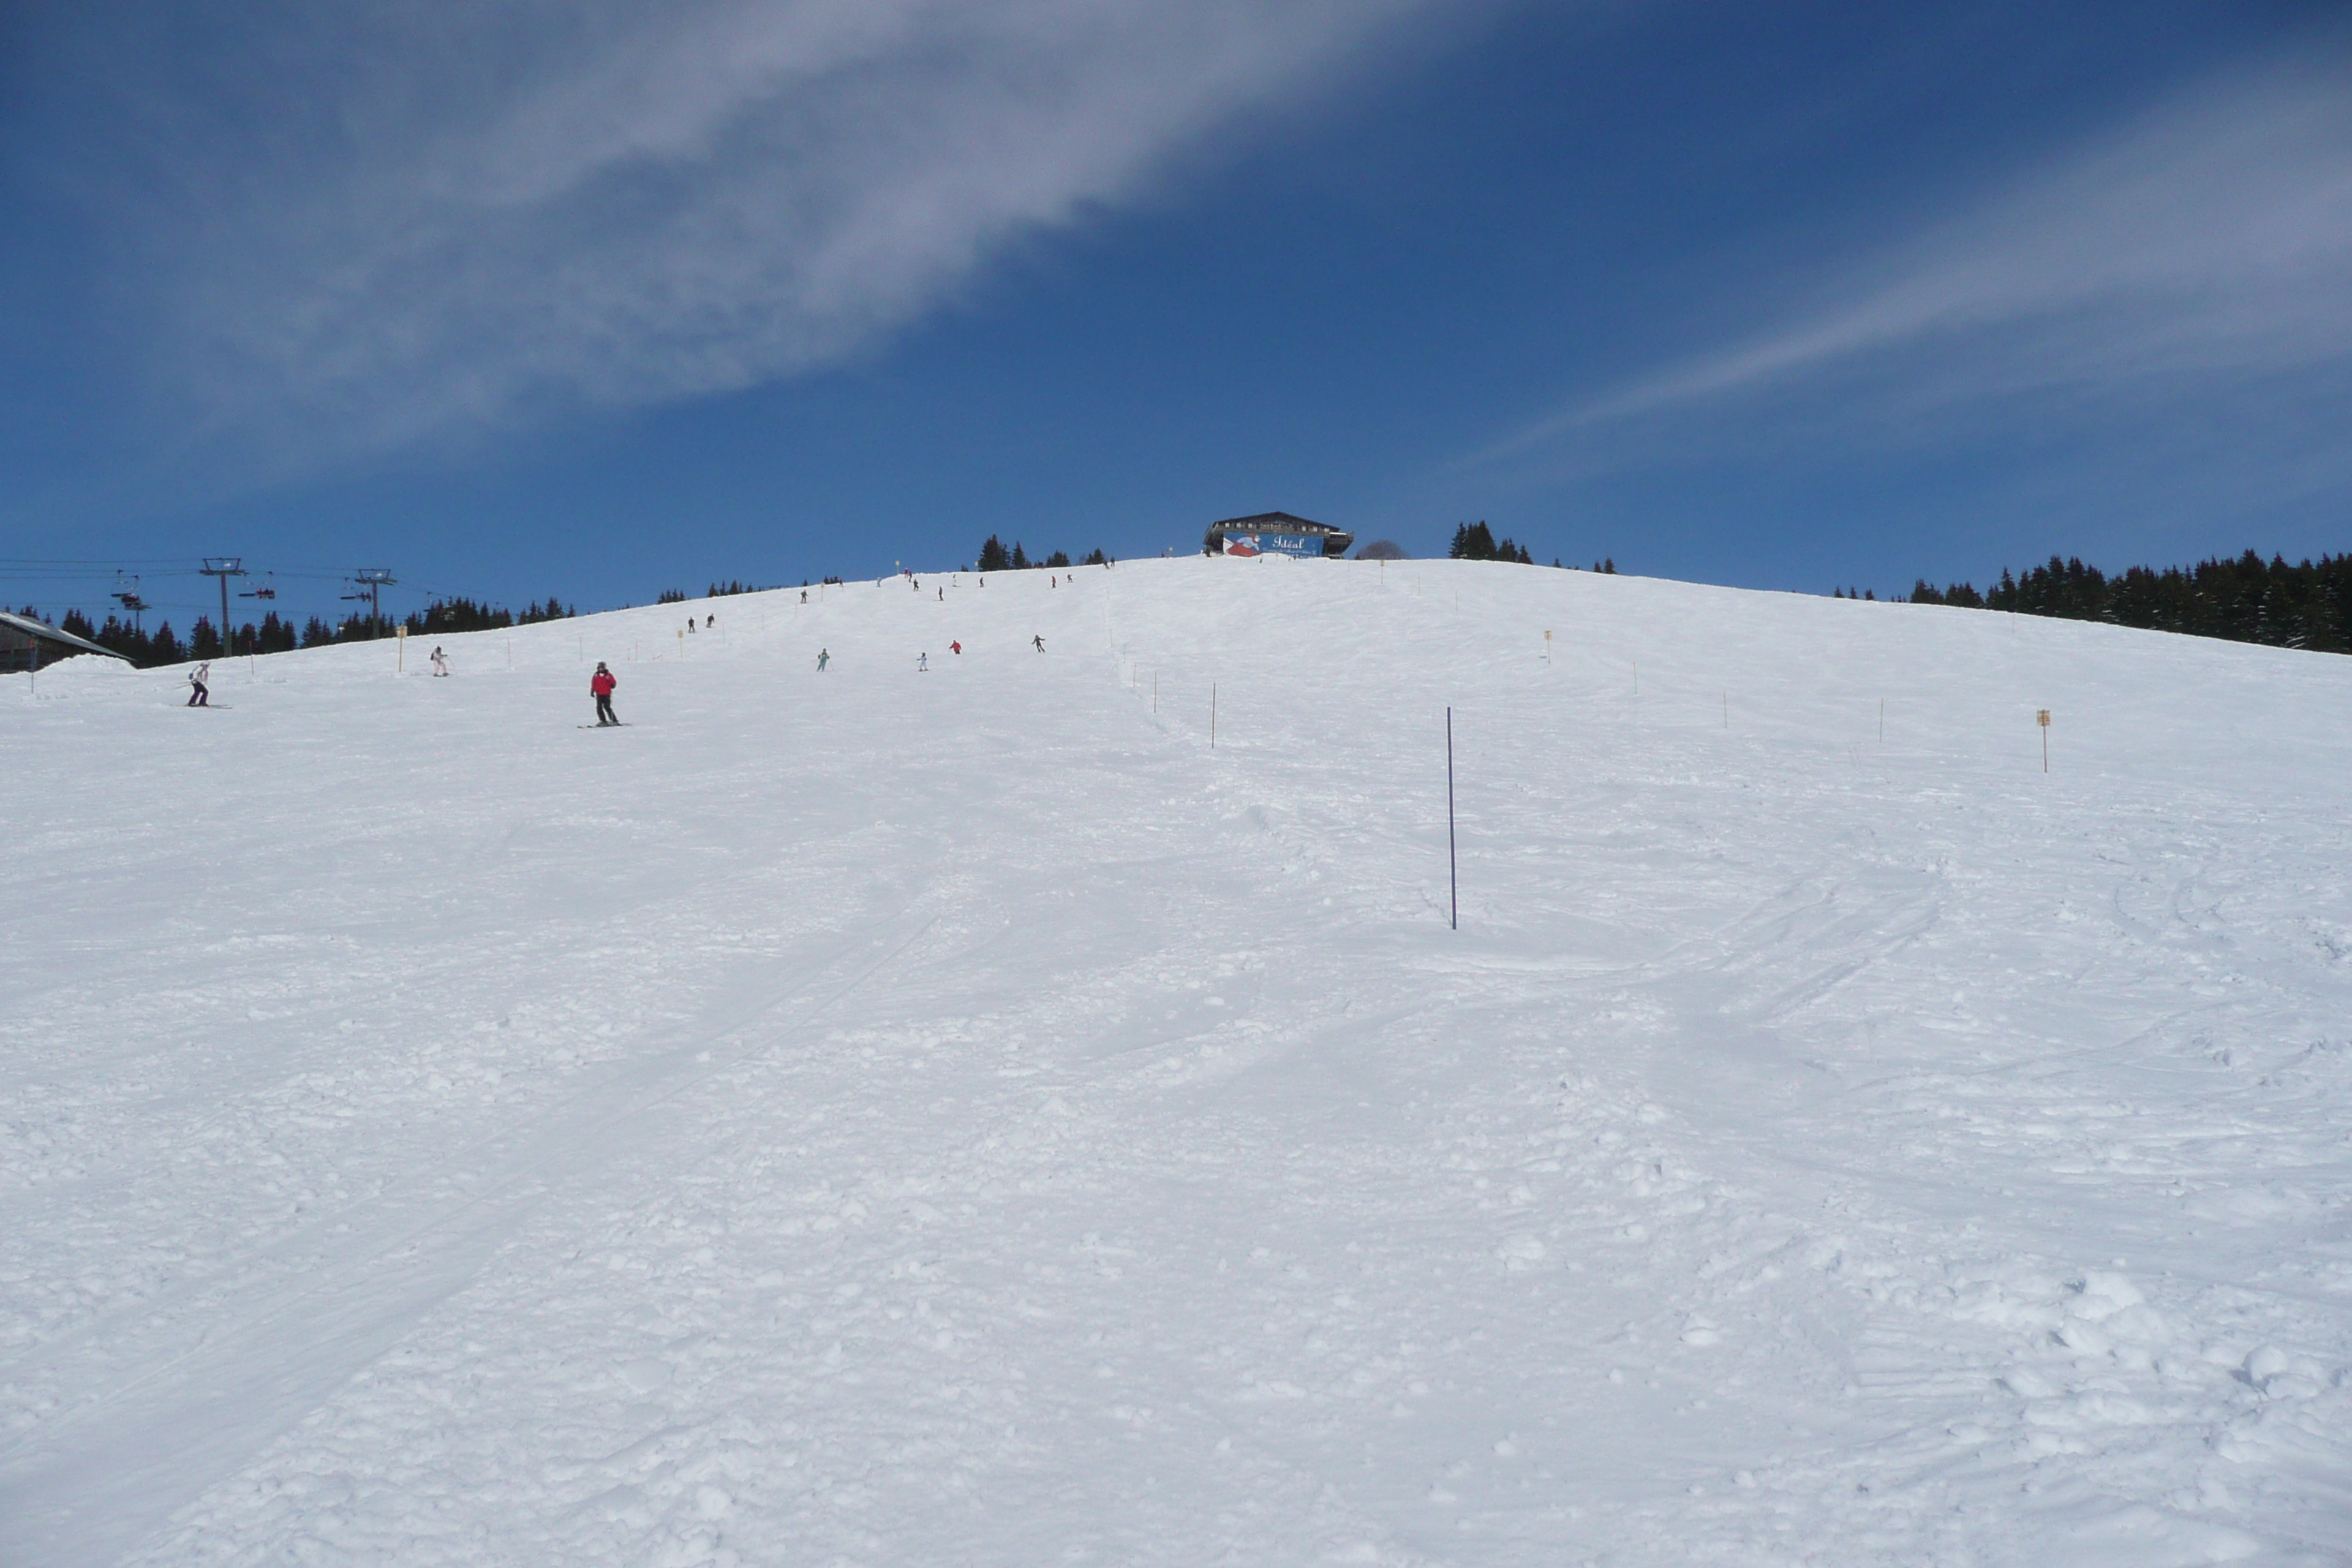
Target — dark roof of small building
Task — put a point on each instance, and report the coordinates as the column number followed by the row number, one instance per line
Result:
column 1275, row 523
column 41, row 631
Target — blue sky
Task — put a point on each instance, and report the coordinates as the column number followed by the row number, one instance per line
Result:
column 538, row 298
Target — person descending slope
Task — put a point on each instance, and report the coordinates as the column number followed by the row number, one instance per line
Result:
column 955, row 647
column 923, row 662
column 440, row 662
column 823, row 657
column 1040, row 640
column 199, row 694
column 601, row 684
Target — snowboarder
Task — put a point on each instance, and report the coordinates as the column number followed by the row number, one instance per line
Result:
column 923, row 662
column 440, row 662
column 601, row 684
column 199, row 694
column 1040, row 640
column 823, row 657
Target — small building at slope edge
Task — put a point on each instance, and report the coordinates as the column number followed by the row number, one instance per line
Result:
column 28, row 643
column 1276, row 533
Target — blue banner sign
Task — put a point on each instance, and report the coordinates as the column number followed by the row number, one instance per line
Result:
column 1306, row 546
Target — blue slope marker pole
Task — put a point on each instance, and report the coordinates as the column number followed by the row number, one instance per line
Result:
column 1453, row 871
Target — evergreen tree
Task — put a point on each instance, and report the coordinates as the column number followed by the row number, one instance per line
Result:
column 203, row 642
column 1059, row 558
column 1020, row 562
column 1097, row 559
column 2308, row 604
column 992, row 557
column 1472, row 542
column 162, row 647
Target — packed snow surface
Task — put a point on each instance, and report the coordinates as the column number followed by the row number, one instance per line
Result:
column 904, row 1117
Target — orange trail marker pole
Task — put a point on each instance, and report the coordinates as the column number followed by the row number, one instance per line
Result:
column 2041, row 717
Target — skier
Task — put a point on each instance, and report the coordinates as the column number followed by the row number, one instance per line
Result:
column 823, row 657
column 1040, row 640
column 199, row 694
column 943, row 595
column 955, row 647
column 601, row 684
column 803, row 595
column 708, row 622
column 440, row 662
column 923, row 662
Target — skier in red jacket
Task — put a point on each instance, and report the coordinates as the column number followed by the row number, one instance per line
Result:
column 601, row 684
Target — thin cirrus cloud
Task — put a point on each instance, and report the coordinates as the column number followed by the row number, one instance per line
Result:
column 498, row 211
column 2204, row 247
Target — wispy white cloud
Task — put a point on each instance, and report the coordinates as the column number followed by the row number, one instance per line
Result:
column 445, row 219
column 2207, row 244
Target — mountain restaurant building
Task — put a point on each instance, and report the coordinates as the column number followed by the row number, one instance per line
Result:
column 1276, row 533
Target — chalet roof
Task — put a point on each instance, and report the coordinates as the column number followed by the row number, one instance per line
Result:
column 42, row 632
column 1274, row 522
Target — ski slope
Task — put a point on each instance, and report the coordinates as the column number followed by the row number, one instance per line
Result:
column 960, row 1117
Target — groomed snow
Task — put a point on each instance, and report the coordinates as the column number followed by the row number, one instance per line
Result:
column 899, row 1117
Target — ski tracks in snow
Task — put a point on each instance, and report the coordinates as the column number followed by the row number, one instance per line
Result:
column 1103, row 1150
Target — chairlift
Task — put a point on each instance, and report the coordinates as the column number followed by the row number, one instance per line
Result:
column 127, row 597
column 266, row 589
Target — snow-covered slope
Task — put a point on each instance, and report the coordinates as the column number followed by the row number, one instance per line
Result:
column 958, row 1117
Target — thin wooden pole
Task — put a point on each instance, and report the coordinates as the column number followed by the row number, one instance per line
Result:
column 1453, row 865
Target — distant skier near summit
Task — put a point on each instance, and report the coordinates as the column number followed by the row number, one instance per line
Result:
column 601, row 684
